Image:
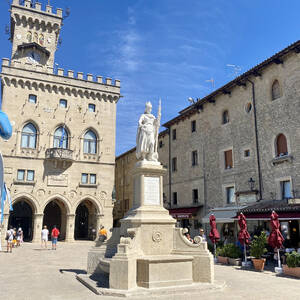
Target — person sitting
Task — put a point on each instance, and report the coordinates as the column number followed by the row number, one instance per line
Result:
column 202, row 234
column 188, row 236
column 102, row 234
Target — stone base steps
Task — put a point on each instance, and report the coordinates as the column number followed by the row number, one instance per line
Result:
column 102, row 288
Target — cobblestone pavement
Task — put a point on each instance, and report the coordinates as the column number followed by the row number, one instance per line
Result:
column 30, row 273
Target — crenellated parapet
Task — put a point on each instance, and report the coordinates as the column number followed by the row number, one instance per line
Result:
column 34, row 77
column 29, row 16
column 37, row 7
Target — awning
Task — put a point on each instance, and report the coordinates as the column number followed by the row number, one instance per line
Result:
column 222, row 214
column 281, row 216
column 183, row 212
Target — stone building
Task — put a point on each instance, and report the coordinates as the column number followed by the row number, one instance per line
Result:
column 236, row 146
column 59, row 163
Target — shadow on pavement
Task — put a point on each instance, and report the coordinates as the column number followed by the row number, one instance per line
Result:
column 102, row 280
column 76, row 271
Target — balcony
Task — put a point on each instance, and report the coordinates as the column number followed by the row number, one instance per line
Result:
column 59, row 154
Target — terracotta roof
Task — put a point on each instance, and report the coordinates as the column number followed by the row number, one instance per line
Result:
column 240, row 80
column 270, row 205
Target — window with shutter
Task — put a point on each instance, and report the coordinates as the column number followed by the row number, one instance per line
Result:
column 195, row 196
column 174, row 164
column 194, row 158
column 275, row 90
column 175, row 198
column 281, row 145
column 286, row 189
column 228, row 159
column 174, row 134
column 225, row 117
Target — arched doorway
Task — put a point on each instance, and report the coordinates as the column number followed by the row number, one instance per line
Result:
column 85, row 221
column 21, row 216
column 55, row 214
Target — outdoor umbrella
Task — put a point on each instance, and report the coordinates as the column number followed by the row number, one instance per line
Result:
column 243, row 233
column 214, row 234
column 275, row 239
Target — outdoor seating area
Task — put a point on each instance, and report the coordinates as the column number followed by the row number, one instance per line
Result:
column 265, row 251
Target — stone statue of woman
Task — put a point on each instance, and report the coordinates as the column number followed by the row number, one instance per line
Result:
column 147, row 135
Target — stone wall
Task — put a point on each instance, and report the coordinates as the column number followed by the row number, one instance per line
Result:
column 211, row 138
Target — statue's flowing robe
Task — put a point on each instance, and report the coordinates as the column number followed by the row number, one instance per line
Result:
column 145, row 138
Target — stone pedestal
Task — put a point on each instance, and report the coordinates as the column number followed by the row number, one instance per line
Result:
column 148, row 213
column 164, row 270
column 150, row 252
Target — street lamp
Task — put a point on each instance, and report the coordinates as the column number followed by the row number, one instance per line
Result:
column 251, row 182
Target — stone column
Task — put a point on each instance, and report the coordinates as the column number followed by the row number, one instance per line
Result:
column 4, row 229
column 70, row 227
column 98, row 223
column 37, row 227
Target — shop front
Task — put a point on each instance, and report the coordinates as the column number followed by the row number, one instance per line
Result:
column 258, row 219
column 188, row 217
column 225, row 219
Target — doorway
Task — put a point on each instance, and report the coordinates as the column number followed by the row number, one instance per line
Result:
column 82, row 222
column 21, row 216
column 55, row 214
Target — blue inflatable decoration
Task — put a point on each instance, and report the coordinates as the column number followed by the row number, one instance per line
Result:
column 5, row 126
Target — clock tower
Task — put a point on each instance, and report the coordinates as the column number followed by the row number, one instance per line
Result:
column 34, row 33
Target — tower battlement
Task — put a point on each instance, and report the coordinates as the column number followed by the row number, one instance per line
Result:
column 28, row 5
column 60, row 72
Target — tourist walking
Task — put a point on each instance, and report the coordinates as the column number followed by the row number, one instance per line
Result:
column 44, row 236
column 54, row 236
column 19, row 236
column 9, row 238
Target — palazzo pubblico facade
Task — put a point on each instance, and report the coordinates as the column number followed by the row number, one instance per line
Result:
column 59, row 163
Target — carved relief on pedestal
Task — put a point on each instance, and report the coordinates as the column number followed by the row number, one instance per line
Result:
column 156, row 236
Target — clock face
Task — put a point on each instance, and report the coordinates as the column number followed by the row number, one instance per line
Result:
column 33, row 57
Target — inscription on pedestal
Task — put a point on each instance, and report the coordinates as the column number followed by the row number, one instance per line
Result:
column 151, row 191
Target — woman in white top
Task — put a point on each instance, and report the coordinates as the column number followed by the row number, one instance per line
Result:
column 9, row 238
column 44, row 236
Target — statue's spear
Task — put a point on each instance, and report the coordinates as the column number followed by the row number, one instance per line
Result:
column 158, row 123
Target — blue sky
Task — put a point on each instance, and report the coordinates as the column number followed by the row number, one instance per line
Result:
column 167, row 48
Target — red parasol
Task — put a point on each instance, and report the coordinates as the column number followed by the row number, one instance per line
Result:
column 214, row 234
column 244, row 235
column 275, row 239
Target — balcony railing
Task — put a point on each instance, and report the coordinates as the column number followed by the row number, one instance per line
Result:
column 59, row 154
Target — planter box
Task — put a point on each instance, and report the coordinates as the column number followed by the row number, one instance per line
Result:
column 223, row 260
column 235, row 261
column 291, row 271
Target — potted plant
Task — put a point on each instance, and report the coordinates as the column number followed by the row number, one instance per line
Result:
column 234, row 254
column 292, row 266
column 222, row 258
column 257, row 249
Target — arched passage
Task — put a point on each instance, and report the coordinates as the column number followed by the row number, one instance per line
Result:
column 85, row 221
column 22, row 216
column 55, row 213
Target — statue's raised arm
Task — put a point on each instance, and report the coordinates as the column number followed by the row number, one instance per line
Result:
column 147, row 134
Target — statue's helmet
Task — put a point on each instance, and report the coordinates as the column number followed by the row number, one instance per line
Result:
column 148, row 105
